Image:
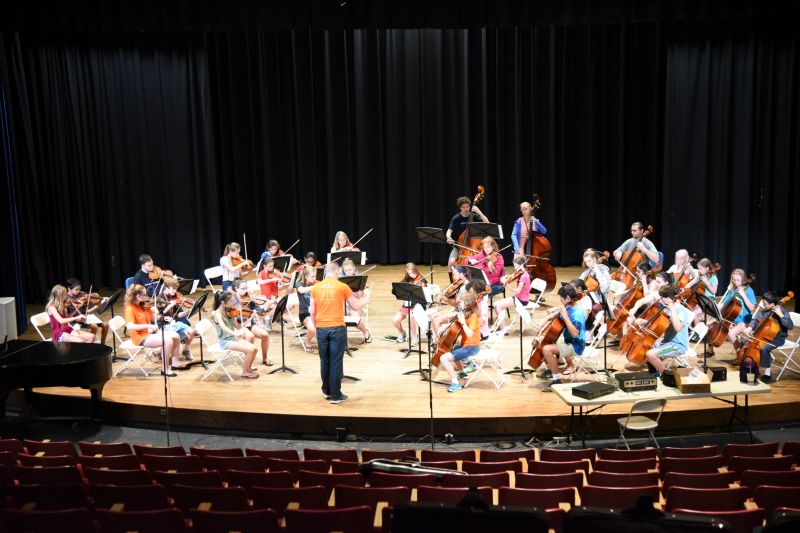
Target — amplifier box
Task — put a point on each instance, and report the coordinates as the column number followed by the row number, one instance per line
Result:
column 592, row 390
column 720, row 373
column 636, row 381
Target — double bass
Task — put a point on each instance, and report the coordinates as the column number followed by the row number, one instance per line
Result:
column 764, row 332
column 628, row 262
column 537, row 251
column 718, row 331
column 469, row 246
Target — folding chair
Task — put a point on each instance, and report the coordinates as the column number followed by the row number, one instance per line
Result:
column 617, row 287
column 203, row 329
column 590, row 361
column 293, row 301
column 39, row 320
column 487, row 362
column 682, row 360
column 211, row 273
column 641, row 423
column 128, row 282
column 788, row 349
column 135, row 353
column 539, row 285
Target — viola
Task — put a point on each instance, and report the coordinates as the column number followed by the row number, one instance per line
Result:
column 764, row 332
column 628, row 262
column 451, row 291
column 642, row 337
column 718, row 331
column 538, row 260
column 248, row 265
column 158, row 273
column 592, row 285
column 469, row 246
column 513, row 277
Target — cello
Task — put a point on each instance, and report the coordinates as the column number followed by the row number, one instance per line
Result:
column 446, row 342
column 700, row 287
column 628, row 262
column 548, row 333
column 718, row 331
column 642, row 337
column 469, row 246
column 685, row 277
column 591, row 282
column 626, row 301
column 764, row 332
column 537, row 251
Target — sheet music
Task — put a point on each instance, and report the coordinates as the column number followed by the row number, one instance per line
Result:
column 421, row 317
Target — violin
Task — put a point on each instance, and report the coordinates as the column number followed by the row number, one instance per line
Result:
column 83, row 300
column 469, row 246
column 718, row 331
column 513, row 277
column 146, row 303
column 248, row 265
column 764, row 332
column 158, row 273
column 592, row 285
column 628, row 262
column 538, row 260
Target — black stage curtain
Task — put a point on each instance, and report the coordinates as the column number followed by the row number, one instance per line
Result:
column 174, row 143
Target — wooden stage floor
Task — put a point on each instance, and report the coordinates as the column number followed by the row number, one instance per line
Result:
column 385, row 403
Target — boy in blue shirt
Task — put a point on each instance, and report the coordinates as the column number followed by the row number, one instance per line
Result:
column 572, row 341
column 676, row 338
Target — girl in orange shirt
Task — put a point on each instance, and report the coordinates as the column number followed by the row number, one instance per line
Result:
column 470, row 342
column 140, row 319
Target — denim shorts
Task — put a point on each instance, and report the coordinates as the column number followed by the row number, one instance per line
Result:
column 464, row 352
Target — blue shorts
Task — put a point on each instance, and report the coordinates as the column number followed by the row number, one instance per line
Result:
column 178, row 327
column 223, row 343
column 464, row 352
column 670, row 349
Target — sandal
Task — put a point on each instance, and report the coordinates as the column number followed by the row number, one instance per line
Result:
column 267, row 362
column 368, row 337
column 250, row 375
column 568, row 371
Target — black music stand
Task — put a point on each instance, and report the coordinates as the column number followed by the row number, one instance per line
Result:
column 105, row 306
column 709, row 307
column 411, row 294
column 356, row 284
column 188, row 286
column 476, row 273
column 320, row 273
column 431, row 236
column 282, row 262
column 485, row 229
column 277, row 316
column 197, row 308
column 358, row 257
column 525, row 318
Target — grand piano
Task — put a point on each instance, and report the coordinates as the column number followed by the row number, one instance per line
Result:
column 29, row 364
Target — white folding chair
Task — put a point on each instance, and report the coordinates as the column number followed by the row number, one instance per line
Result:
column 39, row 320
column 589, row 361
column 135, row 353
column 540, row 285
column 203, row 328
column 211, row 273
column 599, row 320
column 701, row 329
column 617, row 287
column 789, row 348
column 634, row 422
column 488, row 363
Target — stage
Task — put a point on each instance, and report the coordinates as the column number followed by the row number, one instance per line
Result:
column 385, row 403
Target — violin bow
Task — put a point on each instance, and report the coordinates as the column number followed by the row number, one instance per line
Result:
column 498, row 251
column 362, row 237
column 292, row 246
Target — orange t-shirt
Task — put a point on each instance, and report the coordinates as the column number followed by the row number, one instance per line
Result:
column 136, row 315
column 329, row 297
column 474, row 323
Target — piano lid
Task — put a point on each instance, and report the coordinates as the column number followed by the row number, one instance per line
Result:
column 19, row 353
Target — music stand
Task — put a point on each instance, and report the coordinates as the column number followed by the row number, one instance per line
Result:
column 277, row 316
column 358, row 257
column 709, row 307
column 431, row 236
column 356, row 284
column 188, row 286
column 320, row 273
column 411, row 294
column 424, row 323
column 109, row 304
column 525, row 319
column 477, row 273
column 197, row 308
column 485, row 229
column 282, row 262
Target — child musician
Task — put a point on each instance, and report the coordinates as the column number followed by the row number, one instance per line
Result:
column 676, row 338
column 241, row 299
column 61, row 326
column 140, row 318
column 412, row 275
column 341, row 243
column 233, row 338
column 520, row 293
column 74, row 292
column 710, row 283
column 573, row 338
column 739, row 288
column 599, row 271
column 273, row 249
column 231, row 273
column 174, row 310
column 349, row 269
column 303, row 287
column 440, row 316
column 490, row 261
column 772, row 304
column 469, row 344
column 479, row 289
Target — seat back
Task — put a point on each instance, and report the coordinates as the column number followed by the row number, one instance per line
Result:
column 562, row 456
column 63, row 520
column 294, row 467
column 243, row 478
column 192, row 479
column 494, row 480
column 113, row 462
column 128, row 282
column 46, row 460
column 626, row 466
column 563, row 467
column 308, row 478
column 753, row 479
column 613, row 454
column 289, row 453
column 45, row 447
column 771, row 497
column 726, row 499
column 451, row 495
column 392, row 455
column 547, row 481
column 789, row 448
column 497, row 456
column 412, row 481
column 713, row 480
column 440, row 455
column 352, row 519
column 648, row 406
column 740, row 464
column 103, row 476
column 49, row 497
column 542, row 498
column 37, row 475
column 132, row 497
column 612, row 479
column 167, row 451
column 689, row 453
column 345, row 467
column 765, row 449
column 263, row 520
column 220, row 498
column 178, row 463
column 40, row 320
column 347, row 496
column 211, row 273
column 218, row 452
column 346, row 454
column 160, row 520
column 471, row 467
column 223, row 464
column 617, row 497
column 691, row 465
column 12, row 446
column 279, row 498
column 105, row 448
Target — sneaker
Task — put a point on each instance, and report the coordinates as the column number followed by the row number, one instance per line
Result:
column 326, row 395
column 454, row 387
column 414, row 340
column 765, row 379
column 340, row 399
column 401, row 338
column 462, row 374
column 549, row 387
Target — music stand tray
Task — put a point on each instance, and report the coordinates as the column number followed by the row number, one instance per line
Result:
column 199, row 302
column 282, row 262
column 358, row 257
column 709, row 308
column 485, row 229
column 431, row 235
column 415, row 294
